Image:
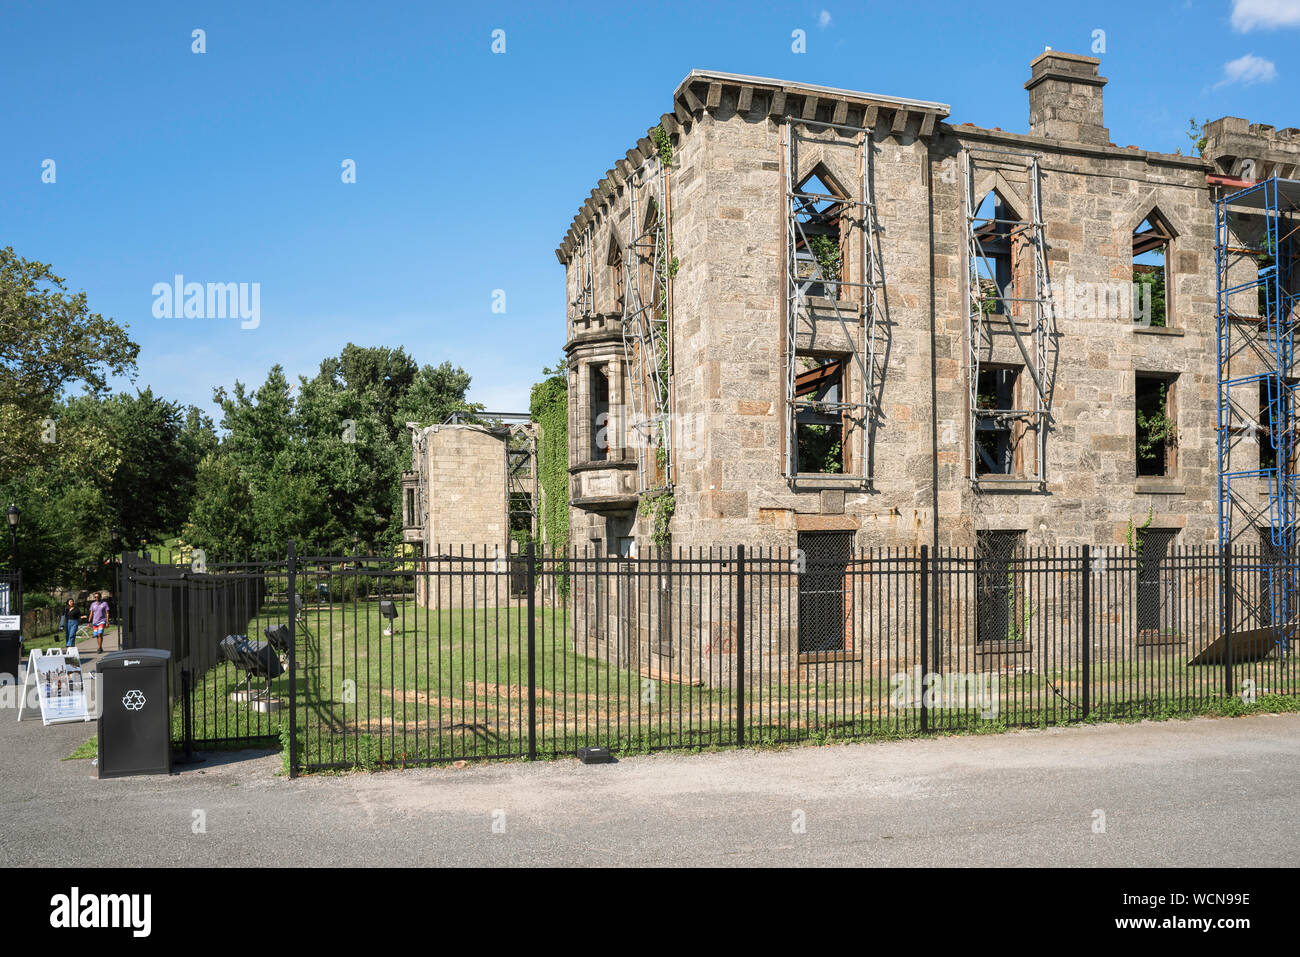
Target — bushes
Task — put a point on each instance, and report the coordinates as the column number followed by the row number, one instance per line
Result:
column 342, row 584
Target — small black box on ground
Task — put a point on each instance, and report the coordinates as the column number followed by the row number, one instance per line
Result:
column 135, row 734
column 595, row 755
column 9, row 655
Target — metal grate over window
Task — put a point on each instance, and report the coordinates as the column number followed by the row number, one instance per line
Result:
column 1155, row 586
column 999, row 602
column 822, row 590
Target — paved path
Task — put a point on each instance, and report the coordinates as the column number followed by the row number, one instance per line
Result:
column 1203, row 792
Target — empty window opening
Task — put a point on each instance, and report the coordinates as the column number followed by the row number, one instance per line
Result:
column 1264, row 432
column 1155, row 428
column 996, row 226
column 823, row 595
column 818, row 239
column 996, row 421
column 1152, row 242
column 616, row 278
column 1267, row 299
column 1269, row 408
column 1156, row 584
column 651, row 262
column 820, row 415
column 521, row 512
column 410, row 508
column 599, row 413
column 1000, row 608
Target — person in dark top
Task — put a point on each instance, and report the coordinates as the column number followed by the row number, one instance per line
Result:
column 72, row 619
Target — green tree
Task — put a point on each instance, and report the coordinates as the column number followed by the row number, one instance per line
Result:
column 157, row 446
column 221, row 517
column 325, row 467
column 49, row 340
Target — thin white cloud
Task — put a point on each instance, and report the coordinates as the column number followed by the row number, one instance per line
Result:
column 1247, row 70
column 824, row 19
column 1249, row 15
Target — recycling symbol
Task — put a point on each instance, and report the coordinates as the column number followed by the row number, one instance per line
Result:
column 133, row 701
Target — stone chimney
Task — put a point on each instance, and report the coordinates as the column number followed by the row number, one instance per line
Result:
column 1065, row 98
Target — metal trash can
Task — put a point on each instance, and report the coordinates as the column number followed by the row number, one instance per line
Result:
column 10, row 652
column 135, row 735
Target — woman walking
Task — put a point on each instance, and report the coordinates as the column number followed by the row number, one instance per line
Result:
column 72, row 618
column 98, row 620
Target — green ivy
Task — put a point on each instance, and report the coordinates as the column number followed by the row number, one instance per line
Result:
column 1155, row 430
column 1134, row 537
column 829, row 256
column 1196, row 133
column 659, row 503
column 664, row 143
column 548, row 406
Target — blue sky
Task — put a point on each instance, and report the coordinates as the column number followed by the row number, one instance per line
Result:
column 225, row 166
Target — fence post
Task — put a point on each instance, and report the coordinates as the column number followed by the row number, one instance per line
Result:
column 925, row 635
column 293, row 668
column 740, row 646
column 187, row 727
column 124, row 615
column 532, row 652
column 1225, row 593
column 1087, row 630
column 187, row 715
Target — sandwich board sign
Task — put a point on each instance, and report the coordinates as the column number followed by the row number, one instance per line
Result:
column 60, row 686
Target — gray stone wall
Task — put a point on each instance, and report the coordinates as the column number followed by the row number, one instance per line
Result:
column 728, row 324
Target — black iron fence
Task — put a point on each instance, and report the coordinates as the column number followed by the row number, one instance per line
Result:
column 471, row 654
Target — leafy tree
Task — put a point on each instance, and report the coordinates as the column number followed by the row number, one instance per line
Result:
column 325, row 467
column 435, row 393
column 152, row 486
column 221, row 518
column 49, row 339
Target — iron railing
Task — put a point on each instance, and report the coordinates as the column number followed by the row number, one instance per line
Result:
column 400, row 660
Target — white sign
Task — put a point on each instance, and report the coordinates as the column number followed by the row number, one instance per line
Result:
column 60, row 686
column 11, row 623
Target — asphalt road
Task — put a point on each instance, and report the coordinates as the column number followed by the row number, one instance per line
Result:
column 1214, row 792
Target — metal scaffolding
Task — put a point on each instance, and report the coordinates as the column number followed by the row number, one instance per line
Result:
column 984, row 297
column 648, row 267
column 863, row 322
column 583, row 303
column 1256, row 265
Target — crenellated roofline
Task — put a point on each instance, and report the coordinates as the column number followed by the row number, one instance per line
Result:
column 704, row 89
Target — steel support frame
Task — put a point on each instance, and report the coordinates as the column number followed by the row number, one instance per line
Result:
column 978, row 328
column 521, row 474
column 583, row 304
column 647, row 324
column 869, row 315
column 1266, row 344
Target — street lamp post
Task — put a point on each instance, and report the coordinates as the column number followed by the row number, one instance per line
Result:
column 14, row 513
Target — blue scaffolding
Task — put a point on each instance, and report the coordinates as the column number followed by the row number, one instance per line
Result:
column 1257, row 241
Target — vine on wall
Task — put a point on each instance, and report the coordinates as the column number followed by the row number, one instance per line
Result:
column 660, row 503
column 548, row 406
